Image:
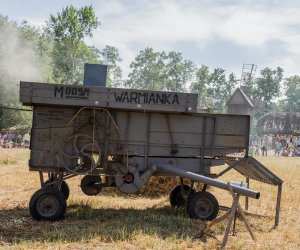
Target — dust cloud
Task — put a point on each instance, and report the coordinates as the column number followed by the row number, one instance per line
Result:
column 18, row 61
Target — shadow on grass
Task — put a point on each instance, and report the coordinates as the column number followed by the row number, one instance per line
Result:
column 83, row 222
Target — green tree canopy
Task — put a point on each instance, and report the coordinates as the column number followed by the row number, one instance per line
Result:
column 110, row 56
column 213, row 88
column 160, row 71
column 292, row 92
column 267, row 85
column 199, row 86
column 68, row 30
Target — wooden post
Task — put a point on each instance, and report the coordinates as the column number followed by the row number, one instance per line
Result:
column 41, row 178
column 230, row 219
column 278, row 204
column 247, row 198
column 241, row 212
column 230, row 214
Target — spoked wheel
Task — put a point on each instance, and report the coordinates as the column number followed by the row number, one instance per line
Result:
column 48, row 204
column 64, row 188
column 202, row 205
column 176, row 198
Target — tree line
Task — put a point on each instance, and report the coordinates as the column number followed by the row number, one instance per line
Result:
column 57, row 52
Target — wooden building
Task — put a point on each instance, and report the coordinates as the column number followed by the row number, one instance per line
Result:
column 240, row 103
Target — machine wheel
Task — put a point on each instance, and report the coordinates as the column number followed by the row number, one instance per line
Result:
column 64, row 188
column 90, row 185
column 48, row 204
column 175, row 197
column 202, row 205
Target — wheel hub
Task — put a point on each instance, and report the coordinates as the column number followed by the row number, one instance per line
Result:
column 128, row 178
column 47, row 205
column 203, row 208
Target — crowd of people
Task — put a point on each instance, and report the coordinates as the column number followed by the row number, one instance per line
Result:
column 13, row 139
column 276, row 145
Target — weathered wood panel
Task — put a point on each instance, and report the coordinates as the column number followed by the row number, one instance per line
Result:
column 80, row 96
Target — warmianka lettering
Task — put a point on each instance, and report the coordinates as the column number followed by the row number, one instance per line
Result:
column 147, row 98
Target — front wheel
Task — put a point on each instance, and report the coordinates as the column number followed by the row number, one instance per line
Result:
column 202, row 205
column 48, row 204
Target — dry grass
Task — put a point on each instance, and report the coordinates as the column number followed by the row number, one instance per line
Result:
column 135, row 222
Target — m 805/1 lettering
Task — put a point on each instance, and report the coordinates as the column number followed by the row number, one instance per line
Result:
column 71, row 92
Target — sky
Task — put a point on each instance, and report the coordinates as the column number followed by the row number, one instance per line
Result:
column 217, row 33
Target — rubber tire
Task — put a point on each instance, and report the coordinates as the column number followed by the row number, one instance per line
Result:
column 175, row 197
column 90, row 180
column 64, row 188
column 209, row 199
column 49, row 192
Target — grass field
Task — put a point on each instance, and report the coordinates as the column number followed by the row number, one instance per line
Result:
column 114, row 221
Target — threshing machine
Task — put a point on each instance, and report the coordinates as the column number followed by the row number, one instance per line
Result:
column 117, row 137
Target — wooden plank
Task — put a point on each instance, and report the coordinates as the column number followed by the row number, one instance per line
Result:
column 130, row 99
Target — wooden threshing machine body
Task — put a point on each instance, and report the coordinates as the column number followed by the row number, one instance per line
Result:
column 120, row 137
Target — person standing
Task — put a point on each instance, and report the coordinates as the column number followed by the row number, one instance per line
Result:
column 265, row 145
column 290, row 146
column 277, row 148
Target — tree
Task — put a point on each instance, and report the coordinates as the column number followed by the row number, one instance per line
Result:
column 147, row 71
column 230, row 86
column 13, row 118
column 199, row 86
column 292, row 92
column 267, row 86
column 213, row 88
column 178, row 72
column 68, row 29
column 110, row 56
column 160, row 71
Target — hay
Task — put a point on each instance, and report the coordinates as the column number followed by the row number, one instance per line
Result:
column 158, row 185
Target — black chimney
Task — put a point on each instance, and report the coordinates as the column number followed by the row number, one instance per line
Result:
column 94, row 75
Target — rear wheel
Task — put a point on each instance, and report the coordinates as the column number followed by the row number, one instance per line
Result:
column 203, row 205
column 177, row 199
column 48, row 204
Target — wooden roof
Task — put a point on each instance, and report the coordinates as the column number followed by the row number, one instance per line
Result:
column 239, row 97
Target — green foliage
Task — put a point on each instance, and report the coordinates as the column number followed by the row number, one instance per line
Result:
column 213, row 88
column 178, row 72
column 160, row 71
column 68, row 29
column 199, row 86
column 111, row 57
column 15, row 119
column 147, row 71
column 292, row 92
column 267, row 86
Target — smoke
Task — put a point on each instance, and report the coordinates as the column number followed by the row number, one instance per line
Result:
column 18, row 60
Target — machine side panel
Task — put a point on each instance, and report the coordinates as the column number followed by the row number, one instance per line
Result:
column 46, row 135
